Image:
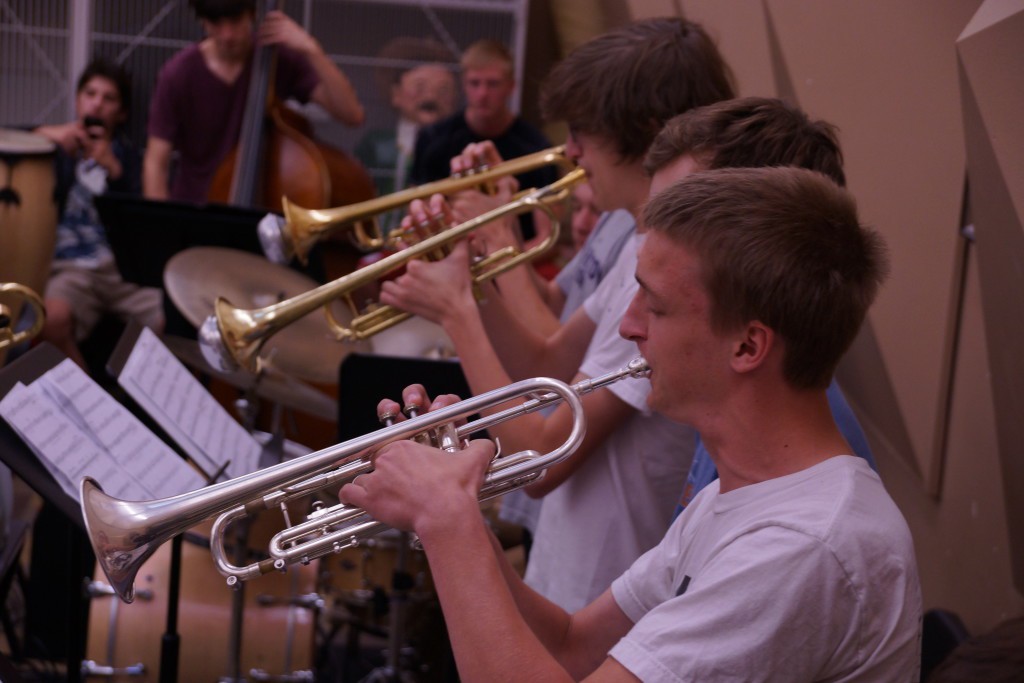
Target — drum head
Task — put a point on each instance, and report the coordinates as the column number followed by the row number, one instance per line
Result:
column 20, row 143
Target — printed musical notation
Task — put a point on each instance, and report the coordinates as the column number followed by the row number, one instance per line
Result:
column 77, row 429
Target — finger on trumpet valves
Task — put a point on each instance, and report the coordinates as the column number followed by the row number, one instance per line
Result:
column 387, row 411
column 413, row 398
column 387, row 419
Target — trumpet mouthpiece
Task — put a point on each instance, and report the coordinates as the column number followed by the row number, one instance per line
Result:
column 639, row 368
column 211, row 344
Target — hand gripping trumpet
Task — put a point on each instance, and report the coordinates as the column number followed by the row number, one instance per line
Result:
column 300, row 229
column 125, row 533
column 232, row 337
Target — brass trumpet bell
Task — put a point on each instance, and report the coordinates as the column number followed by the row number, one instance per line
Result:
column 8, row 337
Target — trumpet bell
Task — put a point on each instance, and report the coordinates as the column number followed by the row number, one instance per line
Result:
column 120, row 550
column 8, row 337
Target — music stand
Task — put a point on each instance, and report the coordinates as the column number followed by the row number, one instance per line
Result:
column 144, row 234
column 61, row 516
column 363, row 380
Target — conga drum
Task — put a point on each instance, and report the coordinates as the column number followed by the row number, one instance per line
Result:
column 28, row 210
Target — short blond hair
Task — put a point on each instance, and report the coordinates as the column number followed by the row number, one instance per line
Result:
column 486, row 53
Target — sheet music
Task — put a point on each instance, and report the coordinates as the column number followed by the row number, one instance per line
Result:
column 79, row 430
column 172, row 396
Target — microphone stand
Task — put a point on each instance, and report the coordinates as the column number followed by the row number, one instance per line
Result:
column 170, row 643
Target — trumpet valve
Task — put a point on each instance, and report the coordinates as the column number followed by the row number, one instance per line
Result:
column 387, row 417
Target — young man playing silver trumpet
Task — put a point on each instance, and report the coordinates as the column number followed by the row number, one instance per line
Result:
column 603, row 488
column 795, row 565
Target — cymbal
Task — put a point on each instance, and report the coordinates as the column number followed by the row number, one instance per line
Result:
column 271, row 384
column 195, row 277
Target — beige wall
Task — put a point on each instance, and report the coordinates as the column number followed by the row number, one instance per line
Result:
column 923, row 377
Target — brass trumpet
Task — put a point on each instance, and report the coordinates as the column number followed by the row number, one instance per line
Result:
column 8, row 337
column 125, row 533
column 301, row 228
column 232, row 337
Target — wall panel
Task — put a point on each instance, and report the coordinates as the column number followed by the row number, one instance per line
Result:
column 927, row 96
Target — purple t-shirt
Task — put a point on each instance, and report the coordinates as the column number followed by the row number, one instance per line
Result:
column 201, row 115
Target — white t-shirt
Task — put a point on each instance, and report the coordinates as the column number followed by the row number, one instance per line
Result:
column 619, row 503
column 587, row 269
column 808, row 577
column 577, row 280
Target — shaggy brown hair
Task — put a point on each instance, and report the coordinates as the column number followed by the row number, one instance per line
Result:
column 625, row 84
column 747, row 133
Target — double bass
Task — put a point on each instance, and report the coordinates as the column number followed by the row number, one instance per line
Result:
column 277, row 156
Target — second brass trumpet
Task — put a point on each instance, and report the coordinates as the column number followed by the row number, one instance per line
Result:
column 232, row 337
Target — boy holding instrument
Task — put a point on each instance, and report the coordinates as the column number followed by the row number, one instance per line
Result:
column 199, row 101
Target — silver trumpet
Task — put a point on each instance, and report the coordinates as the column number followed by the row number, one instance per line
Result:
column 125, row 533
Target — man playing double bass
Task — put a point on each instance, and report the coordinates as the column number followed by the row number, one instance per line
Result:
column 199, row 102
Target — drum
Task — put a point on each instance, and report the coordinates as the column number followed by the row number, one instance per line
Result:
column 28, row 212
column 413, row 338
column 358, row 585
column 356, row 573
column 277, row 633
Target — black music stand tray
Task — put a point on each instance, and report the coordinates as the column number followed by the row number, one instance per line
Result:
column 364, row 379
column 144, row 234
column 58, row 580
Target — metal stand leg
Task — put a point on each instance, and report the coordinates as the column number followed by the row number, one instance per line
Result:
column 396, row 669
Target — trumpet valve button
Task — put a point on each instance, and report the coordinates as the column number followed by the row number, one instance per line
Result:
column 387, row 417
